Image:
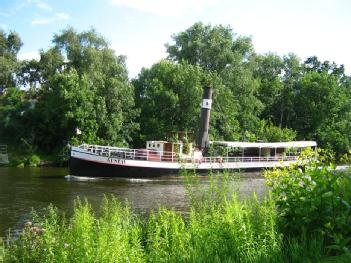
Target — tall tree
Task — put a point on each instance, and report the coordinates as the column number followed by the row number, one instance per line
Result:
column 211, row 47
column 81, row 77
column 218, row 50
column 244, row 88
column 318, row 99
column 268, row 71
column 10, row 44
column 169, row 95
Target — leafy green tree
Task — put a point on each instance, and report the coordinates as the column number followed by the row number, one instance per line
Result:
column 210, row 47
column 66, row 103
column 169, row 95
column 12, row 109
column 322, row 107
column 244, row 88
column 219, row 51
column 80, row 83
column 268, row 72
column 10, row 44
column 284, row 107
column 312, row 64
column 267, row 132
column 88, row 53
column 315, row 102
column 335, row 134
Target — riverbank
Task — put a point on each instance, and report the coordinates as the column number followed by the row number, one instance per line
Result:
column 36, row 188
column 22, row 159
column 219, row 227
column 218, row 231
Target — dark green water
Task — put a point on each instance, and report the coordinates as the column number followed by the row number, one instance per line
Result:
column 24, row 189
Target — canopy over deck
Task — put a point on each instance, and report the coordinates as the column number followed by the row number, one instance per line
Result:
column 292, row 144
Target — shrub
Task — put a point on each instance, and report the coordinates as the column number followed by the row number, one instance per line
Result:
column 33, row 160
column 314, row 199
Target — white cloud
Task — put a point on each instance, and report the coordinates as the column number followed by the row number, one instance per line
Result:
column 165, row 8
column 49, row 20
column 29, row 55
column 40, row 4
column 4, row 26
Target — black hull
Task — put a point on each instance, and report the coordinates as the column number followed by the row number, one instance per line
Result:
column 79, row 167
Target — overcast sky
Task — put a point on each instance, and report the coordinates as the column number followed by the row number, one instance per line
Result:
column 139, row 29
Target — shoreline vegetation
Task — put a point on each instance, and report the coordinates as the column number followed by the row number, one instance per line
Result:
column 305, row 217
column 79, row 91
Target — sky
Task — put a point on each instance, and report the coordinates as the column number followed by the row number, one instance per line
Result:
column 139, row 29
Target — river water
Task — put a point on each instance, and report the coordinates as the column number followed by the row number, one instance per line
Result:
column 25, row 189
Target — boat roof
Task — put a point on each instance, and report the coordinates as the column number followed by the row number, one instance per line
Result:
column 292, row 144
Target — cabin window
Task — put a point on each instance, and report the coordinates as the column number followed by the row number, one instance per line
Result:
column 149, row 144
column 158, row 145
column 153, row 145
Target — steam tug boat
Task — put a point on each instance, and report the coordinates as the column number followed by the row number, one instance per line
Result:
column 161, row 158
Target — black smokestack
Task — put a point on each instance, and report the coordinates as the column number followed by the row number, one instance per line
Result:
column 202, row 139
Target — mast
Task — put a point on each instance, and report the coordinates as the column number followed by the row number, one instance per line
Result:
column 202, row 139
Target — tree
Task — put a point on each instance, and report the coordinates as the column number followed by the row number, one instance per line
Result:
column 315, row 101
column 169, row 95
column 244, row 88
column 267, row 132
column 84, row 85
column 12, row 108
column 268, row 72
column 10, row 44
column 217, row 50
column 322, row 108
column 212, row 48
column 65, row 104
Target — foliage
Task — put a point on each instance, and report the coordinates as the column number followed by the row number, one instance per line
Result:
column 79, row 82
column 219, row 228
column 186, row 148
column 113, row 237
column 169, row 95
column 267, row 132
column 219, row 51
column 10, row 44
column 314, row 200
column 12, row 107
column 33, row 160
column 212, row 48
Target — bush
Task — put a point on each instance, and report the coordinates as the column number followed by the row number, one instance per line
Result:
column 33, row 160
column 314, row 199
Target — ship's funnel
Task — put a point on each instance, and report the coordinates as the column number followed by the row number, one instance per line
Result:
column 202, row 139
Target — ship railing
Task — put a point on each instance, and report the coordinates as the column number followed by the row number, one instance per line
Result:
column 248, row 159
column 155, row 155
column 131, row 154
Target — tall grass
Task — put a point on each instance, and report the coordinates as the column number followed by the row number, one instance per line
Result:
column 219, row 228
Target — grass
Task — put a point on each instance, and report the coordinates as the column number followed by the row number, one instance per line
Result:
column 220, row 228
